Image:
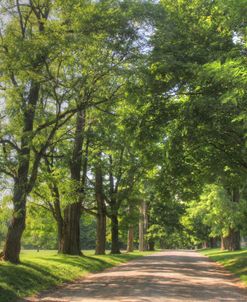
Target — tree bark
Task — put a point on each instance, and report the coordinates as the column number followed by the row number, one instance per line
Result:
column 115, row 249
column 130, row 244
column 58, row 217
column 114, row 233
column 145, row 213
column 100, row 234
column 101, row 212
column 232, row 242
column 141, row 234
column 222, row 244
column 71, row 230
column 12, row 245
column 72, row 212
column 143, row 225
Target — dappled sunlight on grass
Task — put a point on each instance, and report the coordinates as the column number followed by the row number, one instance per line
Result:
column 235, row 262
column 41, row 270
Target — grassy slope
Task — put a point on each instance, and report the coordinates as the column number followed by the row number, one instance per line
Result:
column 235, row 262
column 42, row 270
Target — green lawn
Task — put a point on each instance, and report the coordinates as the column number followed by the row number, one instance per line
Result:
column 41, row 270
column 235, row 262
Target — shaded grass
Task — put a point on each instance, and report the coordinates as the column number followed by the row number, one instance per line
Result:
column 235, row 262
column 44, row 269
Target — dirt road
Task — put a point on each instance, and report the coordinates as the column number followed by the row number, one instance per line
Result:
column 162, row 277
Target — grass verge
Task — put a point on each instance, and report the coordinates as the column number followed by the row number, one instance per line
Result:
column 235, row 262
column 44, row 269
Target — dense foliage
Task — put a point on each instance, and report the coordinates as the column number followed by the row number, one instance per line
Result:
column 122, row 116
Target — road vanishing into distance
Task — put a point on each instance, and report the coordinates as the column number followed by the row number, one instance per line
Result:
column 168, row 276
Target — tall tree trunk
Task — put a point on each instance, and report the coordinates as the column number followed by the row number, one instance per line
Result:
column 141, row 235
column 12, row 247
column 222, row 243
column 130, row 243
column 232, row 241
column 71, row 230
column 100, row 234
column 59, row 218
column 143, row 225
column 115, row 249
column 72, row 212
column 101, row 211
